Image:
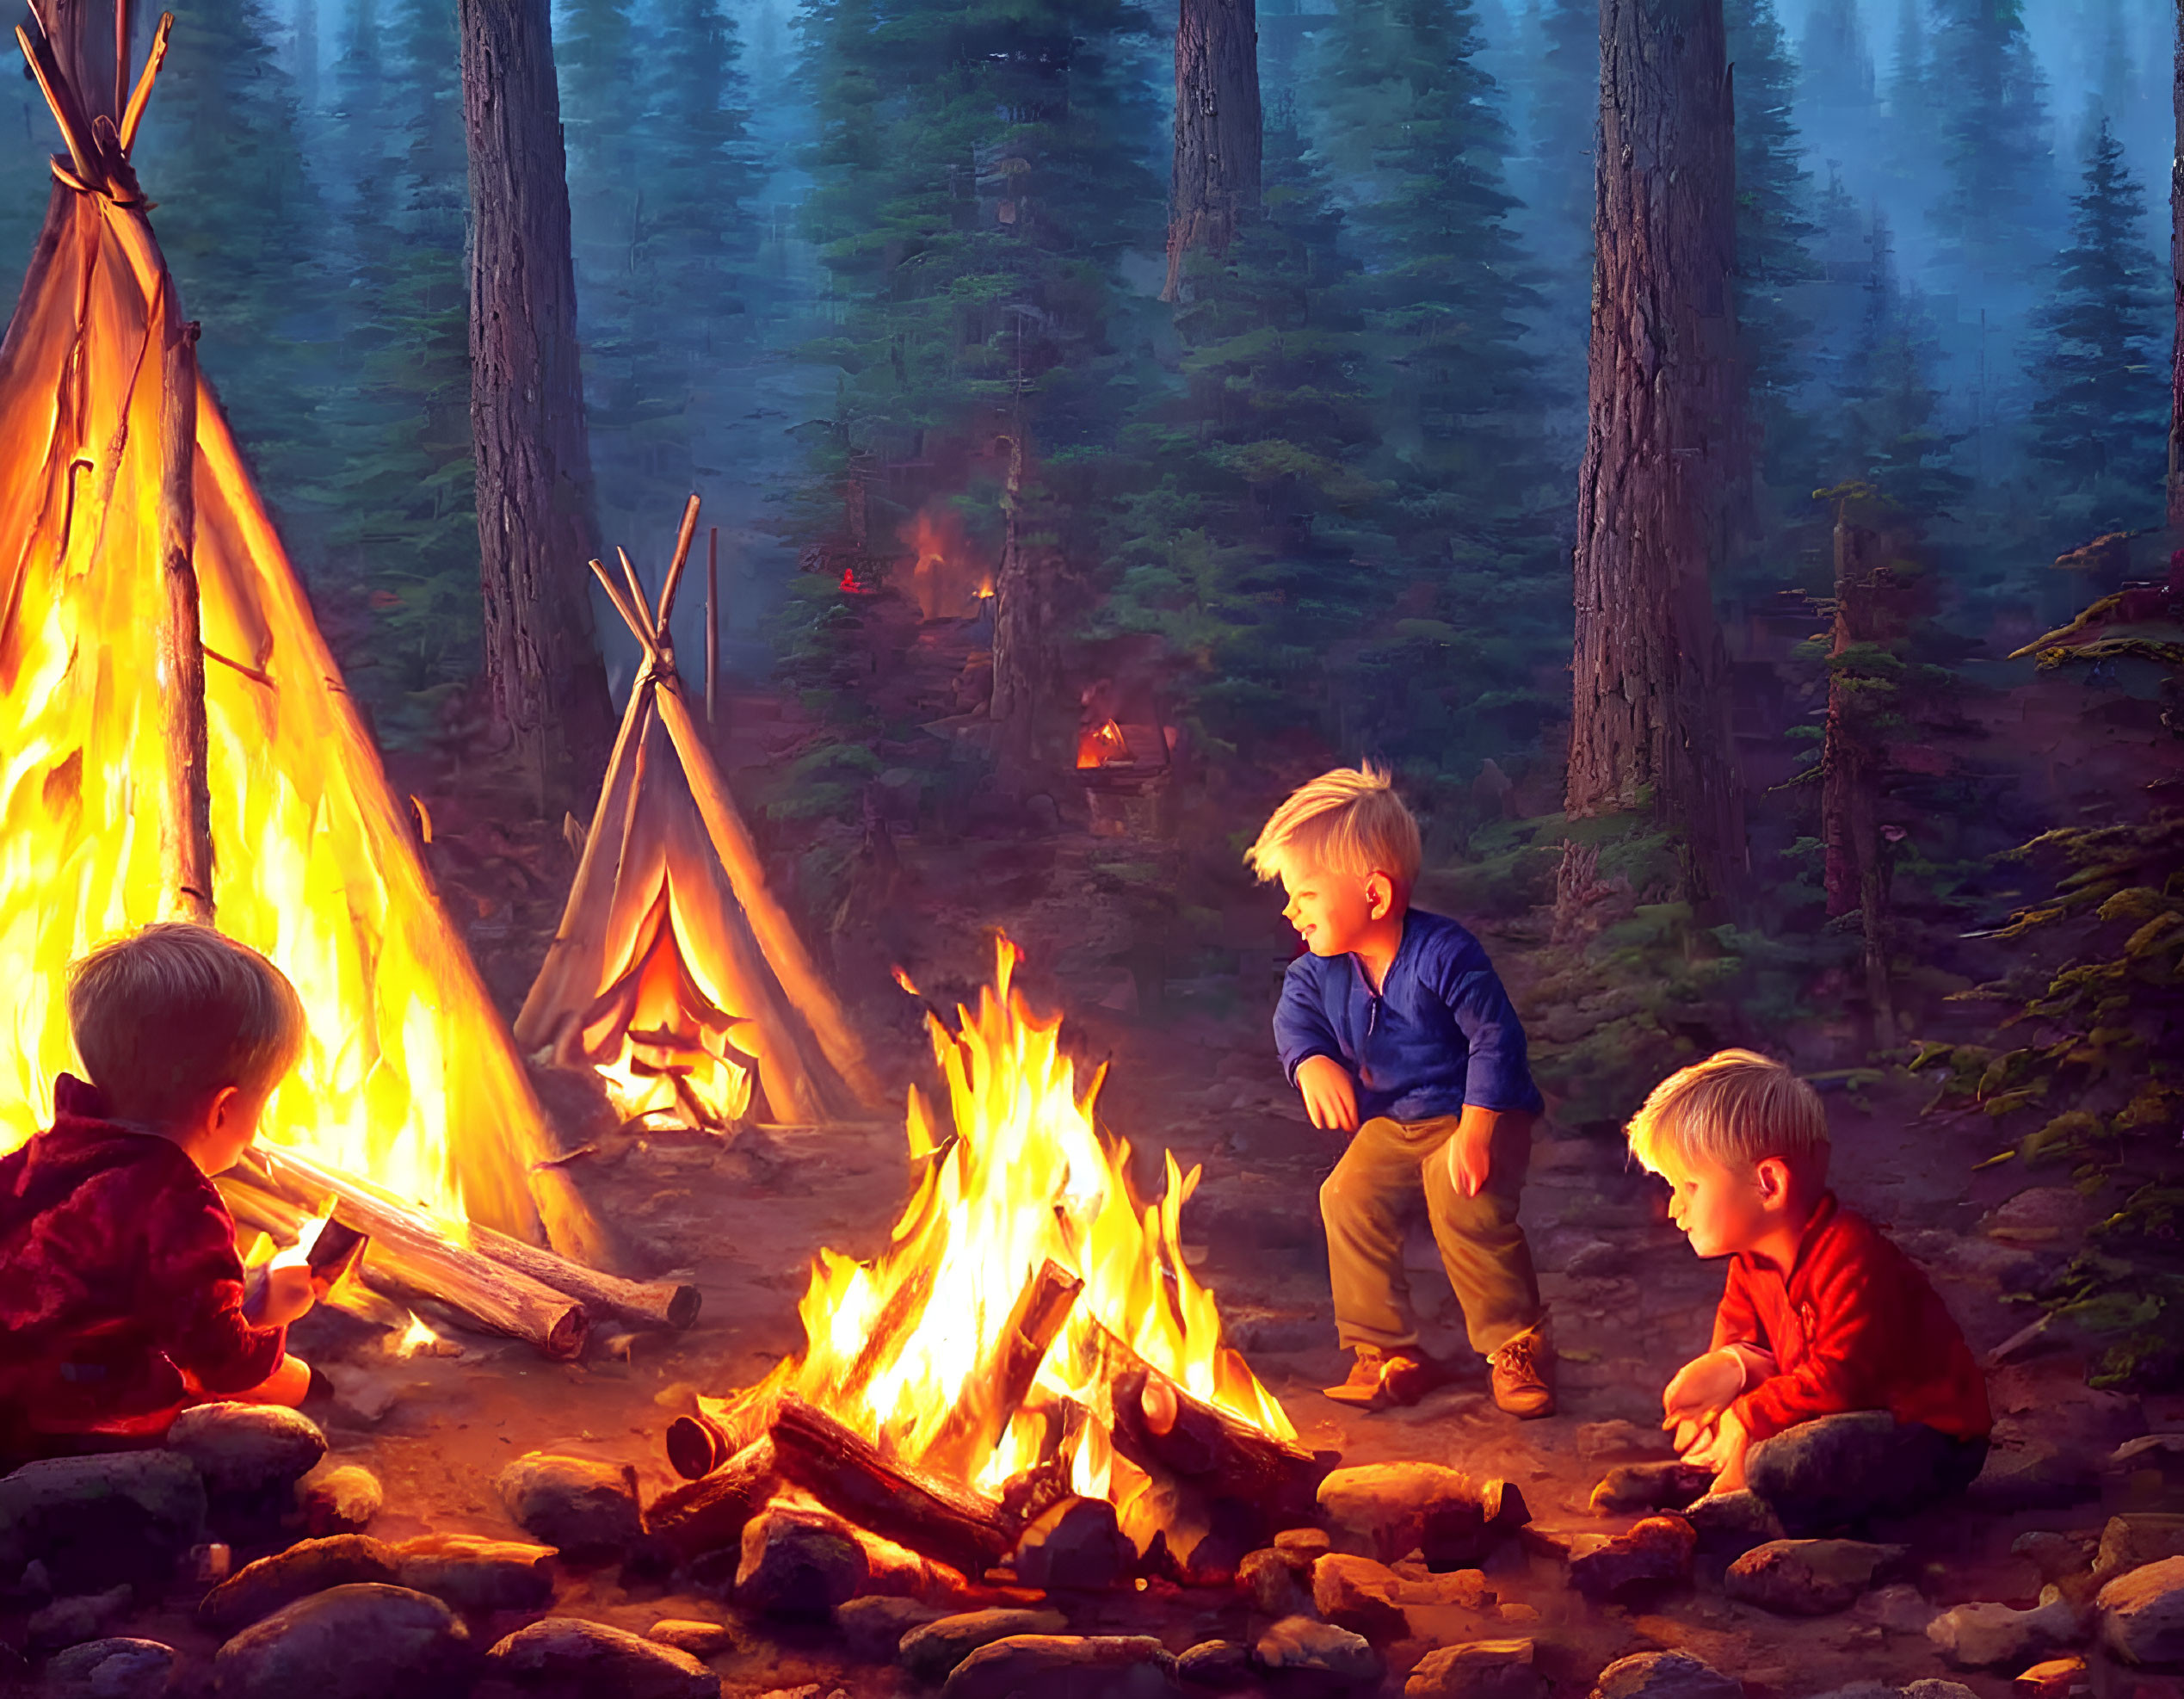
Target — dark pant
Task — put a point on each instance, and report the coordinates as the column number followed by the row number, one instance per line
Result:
column 1837, row 1470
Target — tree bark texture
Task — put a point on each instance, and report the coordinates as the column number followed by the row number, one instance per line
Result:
column 1017, row 625
column 1665, row 455
column 535, row 527
column 1218, row 136
column 2176, row 282
column 189, row 811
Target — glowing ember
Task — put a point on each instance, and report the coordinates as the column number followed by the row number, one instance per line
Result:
column 895, row 1347
column 419, row 1340
column 297, row 1255
column 1096, row 745
column 903, row 980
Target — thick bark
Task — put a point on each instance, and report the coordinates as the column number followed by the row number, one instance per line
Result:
column 536, row 530
column 1664, row 456
column 2176, row 282
column 1217, row 136
column 708, row 1513
column 188, row 803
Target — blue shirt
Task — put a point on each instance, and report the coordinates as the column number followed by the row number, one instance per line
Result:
column 1440, row 1033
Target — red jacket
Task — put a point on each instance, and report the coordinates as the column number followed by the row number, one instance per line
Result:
column 1855, row 1327
column 121, row 1291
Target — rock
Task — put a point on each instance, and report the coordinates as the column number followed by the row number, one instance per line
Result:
column 2055, row 1555
column 930, row 1652
column 1481, row 1669
column 2131, row 1543
column 111, row 1669
column 1733, row 1522
column 2040, row 1215
column 2030, row 1470
column 1064, row 1666
column 1388, row 1511
column 308, row 1567
column 93, row 1521
column 1421, row 1586
column 70, row 1621
column 568, row 1657
column 342, row 1499
column 247, row 1450
column 362, row 1641
column 2142, row 1614
column 1302, row 1547
column 1981, row 1636
column 701, row 1641
column 1808, row 1577
column 1271, row 1581
column 873, row 1627
column 798, row 1563
column 1897, row 1608
column 577, row 1506
column 1298, row 1643
column 1358, row 1594
column 1655, row 1552
column 476, row 1576
column 1077, row 1544
column 1649, row 1486
column 2055, row 1678
column 1622, row 1442
column 1933, row 1687
column 1598, row 1260
column 1219, row 1664
column 1664, row 1675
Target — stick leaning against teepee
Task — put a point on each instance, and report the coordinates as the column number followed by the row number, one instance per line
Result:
column 675, row 973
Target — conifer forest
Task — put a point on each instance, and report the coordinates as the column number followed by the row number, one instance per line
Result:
column 1724, row 458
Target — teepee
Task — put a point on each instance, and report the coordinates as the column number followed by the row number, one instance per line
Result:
column 674, row 974
column 175, row 742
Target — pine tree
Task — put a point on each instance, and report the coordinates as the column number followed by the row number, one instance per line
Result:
column 1990, row 97
column 1888, row 434
column 1834, row 67
column 1554, row 182
column 2101, row 419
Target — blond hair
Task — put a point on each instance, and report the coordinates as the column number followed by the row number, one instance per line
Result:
column 1350, row 820
column 164, row 1019
column 1736, row 1108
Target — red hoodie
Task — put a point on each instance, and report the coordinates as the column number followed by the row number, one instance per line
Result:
column 1855, row 1327
column 121, row 1291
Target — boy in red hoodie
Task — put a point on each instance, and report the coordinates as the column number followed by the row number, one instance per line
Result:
column 121, row 1295
column 1838, row 1384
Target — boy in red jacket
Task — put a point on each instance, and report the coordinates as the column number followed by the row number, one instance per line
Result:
column 1838, row 1384
column 121, row 1295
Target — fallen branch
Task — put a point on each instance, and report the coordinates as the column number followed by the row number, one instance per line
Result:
column 708, row 1515
column 997, row 1388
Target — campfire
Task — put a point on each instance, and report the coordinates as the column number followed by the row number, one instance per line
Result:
column 1033, row 1333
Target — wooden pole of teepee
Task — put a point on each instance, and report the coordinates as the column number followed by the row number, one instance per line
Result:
column 188, row 813
column 712, row 630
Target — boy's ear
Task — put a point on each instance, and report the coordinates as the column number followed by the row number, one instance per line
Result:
column 1773, row 1177
column 1380, row 895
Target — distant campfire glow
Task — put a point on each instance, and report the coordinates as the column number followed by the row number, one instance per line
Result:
column 944, row 579
column 1097, row 745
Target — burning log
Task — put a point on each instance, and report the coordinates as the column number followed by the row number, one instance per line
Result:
column 854, row 1479
column 709, row 1514
column 700, row 1442
column 993, row 1394
column 411, row 1257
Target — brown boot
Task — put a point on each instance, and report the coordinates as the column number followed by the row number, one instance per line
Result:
column 1524, row 1375
column 1380, row 1380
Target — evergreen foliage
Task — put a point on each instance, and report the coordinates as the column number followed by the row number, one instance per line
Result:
column 1888, row 434
column 1556, row 185
column 1989, row 95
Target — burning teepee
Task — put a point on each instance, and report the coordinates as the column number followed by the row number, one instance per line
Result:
column 674, row 974
column 134, row 553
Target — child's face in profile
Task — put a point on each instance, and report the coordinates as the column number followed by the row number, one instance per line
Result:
column 1332, row 911
column 1720, row 1210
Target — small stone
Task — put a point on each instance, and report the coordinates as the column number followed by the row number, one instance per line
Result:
column 2055, row 1555
column 1064, row 1666
column 111, row 1669
column 577, row 1506
column 476, row 1576
column 1270, row 1580
column 1302, row 1547
column 1463, row 1587
column 930, row 1652
column 1665, row 1674
column 1897, row 1608
column 1655, row 1552
column 342, row 1499
column 70, row 1621
column 1358, row 1594
column 247, row 1450
column 1299, row 1643
column 1517, row 1612
column 308, row 1567
column 362, row 1641
column 2055, row 1678
column 873, row 1627
column 93, row 1521
column 569, row 1658
column 1388, row 1511
column 1649, row 1486
column 1981, row 1636
column 1933, row 1687
column 700, row 1639
column 1808, row 1577
column 1619, row 1440
column 2142, row 1614
column 2130, row 1542
column 1482, row 1668
column 798, row 1563
column 1219, row 1664
column 1077, row 1544
column 1733, row 1522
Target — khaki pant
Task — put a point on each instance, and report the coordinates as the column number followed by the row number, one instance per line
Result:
column 1393, row 1169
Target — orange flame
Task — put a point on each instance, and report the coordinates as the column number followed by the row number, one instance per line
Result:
column 1096, row 745
column 1028, row 1176
column 944, row 580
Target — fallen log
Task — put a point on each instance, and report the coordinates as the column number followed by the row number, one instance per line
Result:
column 709, row 1515
column 997, row 1388
column 701, row 1442
column 411, row 1257
column 856, row 1480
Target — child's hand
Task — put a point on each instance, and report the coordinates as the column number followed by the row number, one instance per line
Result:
column 1702, row 1389
column 1330, row 1093
column 289, row 1293
column 1723, row 1451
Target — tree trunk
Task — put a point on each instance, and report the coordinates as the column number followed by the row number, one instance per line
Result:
column 1216, row 128
column 535, row 529
column 1017, row 626
column 1664, row 458
column 188, row 803
column 2176, row 282
column 1856, row 877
